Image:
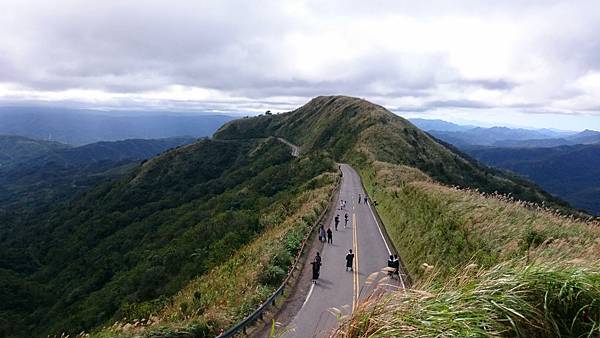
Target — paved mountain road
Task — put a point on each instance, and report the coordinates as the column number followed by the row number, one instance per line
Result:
column 336, row 287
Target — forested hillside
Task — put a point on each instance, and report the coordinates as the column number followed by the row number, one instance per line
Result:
column 130, row 244
column 167, row 242
column 41, row 179
column 570, row 172
column 15, row 149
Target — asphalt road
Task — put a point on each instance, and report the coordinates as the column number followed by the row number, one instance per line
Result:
column 336, row 287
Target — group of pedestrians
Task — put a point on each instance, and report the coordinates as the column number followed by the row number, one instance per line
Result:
column 317, row 263
column 325, row 235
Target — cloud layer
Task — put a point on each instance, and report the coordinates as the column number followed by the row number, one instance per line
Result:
column 253, row 55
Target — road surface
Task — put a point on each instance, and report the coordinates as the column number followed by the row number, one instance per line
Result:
column 295, row 148
column 337, row 288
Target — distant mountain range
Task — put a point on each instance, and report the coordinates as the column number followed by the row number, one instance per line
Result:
column 32, row 171
column 566, row 164
column 15, row 149
column 462, row 136
column 77, row 127
column 571, row 172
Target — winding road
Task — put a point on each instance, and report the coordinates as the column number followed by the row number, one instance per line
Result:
column 336, row 287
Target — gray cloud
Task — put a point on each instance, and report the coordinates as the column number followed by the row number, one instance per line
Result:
column 267, row 53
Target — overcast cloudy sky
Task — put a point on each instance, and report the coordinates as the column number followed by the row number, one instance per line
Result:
column 535, row 64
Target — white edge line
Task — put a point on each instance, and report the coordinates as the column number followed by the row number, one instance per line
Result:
column 384, row 241
column 308, row 296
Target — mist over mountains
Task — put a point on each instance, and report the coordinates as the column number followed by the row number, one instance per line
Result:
column 562, row 162
column 79, row 126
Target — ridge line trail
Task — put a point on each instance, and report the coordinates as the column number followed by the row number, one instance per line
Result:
column 337, row 288
column 295, row 148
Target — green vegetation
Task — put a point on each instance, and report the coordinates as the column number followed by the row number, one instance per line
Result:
column 232, row 290
column 193, row 240
column 485, row 265
column 536, row 270
column 127, row 246
column 505, row 301
column 359, row 132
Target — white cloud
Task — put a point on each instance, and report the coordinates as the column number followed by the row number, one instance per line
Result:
column 228, row 55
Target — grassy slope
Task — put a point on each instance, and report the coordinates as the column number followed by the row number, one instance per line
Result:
column 485, row 265
column 451, row 229
column 359, row 132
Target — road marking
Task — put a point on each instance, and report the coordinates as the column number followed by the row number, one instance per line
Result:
column 356, row 277
column 308, row 296
column 384, row 241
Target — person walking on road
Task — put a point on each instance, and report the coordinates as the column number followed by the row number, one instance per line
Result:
column 345, row 220
column 322, row 237
column 349, row 260
column 365, row 199
column 337, row 221
column 359, row 198
column 329, row 236
column 316, row 268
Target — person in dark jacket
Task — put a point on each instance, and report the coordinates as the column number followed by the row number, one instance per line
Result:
column 396, row 265
column 349, row 260
column 316, row 268
column 329, row 236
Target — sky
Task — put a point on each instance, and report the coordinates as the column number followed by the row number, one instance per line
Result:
column 520, row 63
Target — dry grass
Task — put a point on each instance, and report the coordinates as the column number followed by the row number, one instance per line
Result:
column 485, row 265
column 228, row 293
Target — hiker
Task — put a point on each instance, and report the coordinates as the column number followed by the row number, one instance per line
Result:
column 322, row 237
column 359, row 198
column 316, row 269
column 345, row 220
column 318, row 259
column 365, row 199
column 397, row 265
column 390, row 272
column 390, row 262
column 337, row 221
column 349, row 260
column 329, row 236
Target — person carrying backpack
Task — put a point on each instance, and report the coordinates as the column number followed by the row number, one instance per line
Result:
column 349, row 260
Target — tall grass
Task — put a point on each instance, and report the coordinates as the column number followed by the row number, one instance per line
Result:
column 541, row 300
column 485, row 265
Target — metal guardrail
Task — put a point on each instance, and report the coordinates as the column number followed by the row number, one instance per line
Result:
column 258, row 313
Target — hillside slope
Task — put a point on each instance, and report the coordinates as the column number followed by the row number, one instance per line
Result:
column 126, row 246
column 15, row 149
column 360, row 132
column 59, row 174
column 571, row 172
column 484, row 264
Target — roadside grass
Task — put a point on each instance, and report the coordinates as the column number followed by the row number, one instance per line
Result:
column 448, row 227
column 541, row 300
column 235, row 288
column 484, row 265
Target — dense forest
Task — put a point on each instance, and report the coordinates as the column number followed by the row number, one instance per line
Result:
column 141, row 238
